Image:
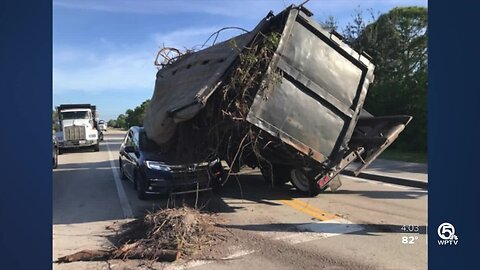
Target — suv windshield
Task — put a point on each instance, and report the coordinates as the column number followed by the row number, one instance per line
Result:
column 75, row 115
column 147, row 144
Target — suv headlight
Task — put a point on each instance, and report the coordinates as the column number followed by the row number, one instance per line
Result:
column 155, row 165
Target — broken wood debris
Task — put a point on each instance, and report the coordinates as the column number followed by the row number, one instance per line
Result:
column 164, row 235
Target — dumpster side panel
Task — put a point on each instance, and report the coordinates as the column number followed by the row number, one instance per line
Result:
column 336, row 77
column 298, row 115
column 316, row 104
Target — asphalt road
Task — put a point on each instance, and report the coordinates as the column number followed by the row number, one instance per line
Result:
column 357, row 227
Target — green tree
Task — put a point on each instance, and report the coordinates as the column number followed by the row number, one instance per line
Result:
column 130, row 118
column 397, row 42
column 112, row 123
column 330, row 23
column 120, row 122
column 133, row 117
column 355, row 28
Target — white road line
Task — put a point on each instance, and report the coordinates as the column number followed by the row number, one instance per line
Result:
column 314, row 231
column 384, row 184
column 126, row 208
column 82, row 169
column 306, row 233
column 324, row 229
column 239, row 254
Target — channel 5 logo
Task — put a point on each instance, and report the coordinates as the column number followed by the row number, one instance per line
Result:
column 446, row 232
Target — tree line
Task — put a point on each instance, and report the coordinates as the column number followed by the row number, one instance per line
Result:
column 397, row 42
column 130, row 117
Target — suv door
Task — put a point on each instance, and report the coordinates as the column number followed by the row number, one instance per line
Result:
column 127, row 157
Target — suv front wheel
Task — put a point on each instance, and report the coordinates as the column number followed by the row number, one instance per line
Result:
column 122, row 173
column 140, row 186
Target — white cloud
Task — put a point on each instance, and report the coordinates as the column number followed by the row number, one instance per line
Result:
column 125, row 68
column 72, row 55
column 226, row 8
column 243, row 8
column 193, row 37
column 118, row 67
column 130, row 70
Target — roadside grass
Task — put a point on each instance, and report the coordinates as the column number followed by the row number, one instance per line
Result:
column 396, row 154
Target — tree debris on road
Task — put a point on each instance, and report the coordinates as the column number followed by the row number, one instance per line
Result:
column 164, row 235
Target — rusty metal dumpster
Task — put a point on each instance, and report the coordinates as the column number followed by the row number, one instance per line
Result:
column 300, row 117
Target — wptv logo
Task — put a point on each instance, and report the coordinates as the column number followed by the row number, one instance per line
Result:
column 446, row 232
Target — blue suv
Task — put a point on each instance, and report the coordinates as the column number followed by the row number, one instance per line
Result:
column 143, row 163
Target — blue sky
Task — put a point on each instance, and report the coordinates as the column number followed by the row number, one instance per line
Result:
column 103, row 51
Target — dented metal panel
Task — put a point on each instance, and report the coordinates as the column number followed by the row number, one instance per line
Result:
column 316, row 104
column 182, row 88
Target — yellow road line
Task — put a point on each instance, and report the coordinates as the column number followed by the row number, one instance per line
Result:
column 309, row 209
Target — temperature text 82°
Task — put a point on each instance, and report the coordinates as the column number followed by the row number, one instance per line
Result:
column 409, row 240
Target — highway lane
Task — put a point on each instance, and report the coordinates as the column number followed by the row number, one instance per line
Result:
column 376, row 212
column 357, row 227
